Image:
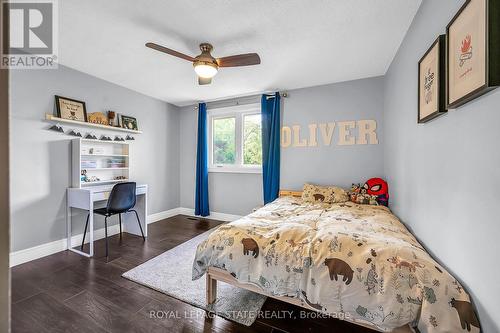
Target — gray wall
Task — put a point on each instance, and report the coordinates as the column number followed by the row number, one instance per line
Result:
column 341, row 165
column 444, row 176
column 40, row 159
column 334, row 164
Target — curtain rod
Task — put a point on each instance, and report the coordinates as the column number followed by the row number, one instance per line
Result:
column 243, row 100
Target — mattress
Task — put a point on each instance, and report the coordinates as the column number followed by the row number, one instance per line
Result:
column 351, row 261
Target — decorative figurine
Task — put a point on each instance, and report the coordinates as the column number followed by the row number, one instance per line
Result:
column 111, row 118
column 106, row 138
column 91, row 136
column 75, row 132
column 83, row 176
column 57, row 128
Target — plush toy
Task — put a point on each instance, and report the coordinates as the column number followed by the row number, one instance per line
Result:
column 359, row 195
column 379, row 188
column 374, row 192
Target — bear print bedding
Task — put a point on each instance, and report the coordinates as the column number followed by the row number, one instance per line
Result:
column 344, row 259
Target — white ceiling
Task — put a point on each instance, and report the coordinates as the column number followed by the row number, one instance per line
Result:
column 301, row 43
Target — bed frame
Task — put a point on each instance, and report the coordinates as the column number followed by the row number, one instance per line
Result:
column 216, row 274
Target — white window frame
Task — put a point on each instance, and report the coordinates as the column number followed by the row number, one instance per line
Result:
column 238, row 112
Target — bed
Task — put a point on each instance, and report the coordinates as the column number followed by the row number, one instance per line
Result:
column 350, row 261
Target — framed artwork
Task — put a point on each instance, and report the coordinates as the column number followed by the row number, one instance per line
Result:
column 431, row 82
column 473, row 51
column 129, row 123
column 71, row 109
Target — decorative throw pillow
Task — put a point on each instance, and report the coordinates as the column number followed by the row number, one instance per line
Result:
column 326, row 194
column 339, row 195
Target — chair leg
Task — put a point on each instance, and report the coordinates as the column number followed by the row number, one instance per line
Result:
column 106, row 233
column 139, row 221
column 85, row 232
column 120, row 219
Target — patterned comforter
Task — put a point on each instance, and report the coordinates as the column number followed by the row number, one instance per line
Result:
column 355, row 260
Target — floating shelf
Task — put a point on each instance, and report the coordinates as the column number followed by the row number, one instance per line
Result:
column 103, row 155
column 55, row 119
column 103, row 182
column 112, row 141
column 99, row 169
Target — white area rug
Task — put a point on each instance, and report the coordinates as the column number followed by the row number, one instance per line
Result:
column 170, row 273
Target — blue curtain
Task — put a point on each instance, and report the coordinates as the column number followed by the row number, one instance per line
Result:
column 270, row 106
column 201, row 199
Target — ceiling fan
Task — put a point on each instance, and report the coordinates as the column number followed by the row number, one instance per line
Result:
column 207, row 66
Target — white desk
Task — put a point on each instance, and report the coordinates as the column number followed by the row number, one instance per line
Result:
column 84, row 198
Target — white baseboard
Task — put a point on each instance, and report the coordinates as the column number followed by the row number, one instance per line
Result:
column 213, row 215
column 39, row 251
column 163, row 215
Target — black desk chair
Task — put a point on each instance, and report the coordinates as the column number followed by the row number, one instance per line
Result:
column 121, row 200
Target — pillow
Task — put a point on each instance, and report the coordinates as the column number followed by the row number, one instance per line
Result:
column 326, row 194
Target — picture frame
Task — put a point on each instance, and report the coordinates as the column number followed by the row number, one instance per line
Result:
column 71, row 109
column 432, row 82
column 129, row 123
column 472, row 52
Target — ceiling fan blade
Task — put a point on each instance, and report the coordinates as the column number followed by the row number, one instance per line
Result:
column 169, row 51
column 239, row 60
column 202, row 81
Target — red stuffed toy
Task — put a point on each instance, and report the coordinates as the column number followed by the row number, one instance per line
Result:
column 379, row 188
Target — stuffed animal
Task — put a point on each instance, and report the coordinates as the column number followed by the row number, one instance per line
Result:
column 374, row 192
column 379, row 188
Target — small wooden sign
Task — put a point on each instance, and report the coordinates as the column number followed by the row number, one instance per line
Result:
column 98, row 118
column 71, row 109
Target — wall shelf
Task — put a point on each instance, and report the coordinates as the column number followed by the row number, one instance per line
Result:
column 55, row 119
column 113, row 141
column 99, row 166
column 105, row 155
column 100, row 182
column 99, row 169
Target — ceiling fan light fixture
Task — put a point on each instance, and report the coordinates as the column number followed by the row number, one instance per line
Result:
column 205, row 70
column 205, row 65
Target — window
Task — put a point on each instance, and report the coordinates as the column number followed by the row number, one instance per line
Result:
column 235, row 139
column 252, row 140
column 224, row 143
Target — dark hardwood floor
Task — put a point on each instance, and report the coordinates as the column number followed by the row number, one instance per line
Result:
column 66, row 292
